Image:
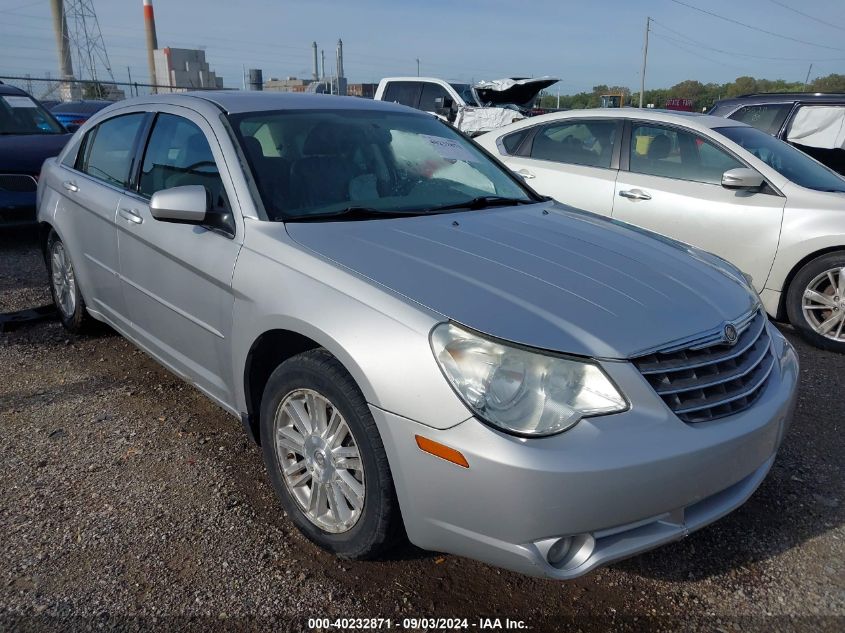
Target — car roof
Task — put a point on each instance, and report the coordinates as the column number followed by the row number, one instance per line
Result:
column 784, row 97
column 89, row 106
column 6, row 89
column 691, row 120
column 239, row 101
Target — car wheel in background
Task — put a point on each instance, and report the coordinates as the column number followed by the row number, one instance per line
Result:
column 64, row 287
column 815, row 301
column 326, row 459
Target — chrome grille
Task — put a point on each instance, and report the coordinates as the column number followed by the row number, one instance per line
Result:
column 20, row 183
column 710, row 378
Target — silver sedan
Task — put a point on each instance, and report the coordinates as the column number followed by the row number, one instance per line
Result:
column 416, row 338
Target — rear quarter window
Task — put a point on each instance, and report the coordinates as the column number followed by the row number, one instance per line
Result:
column 768, row 117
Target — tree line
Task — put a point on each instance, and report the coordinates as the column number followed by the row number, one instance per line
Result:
column 702, row 95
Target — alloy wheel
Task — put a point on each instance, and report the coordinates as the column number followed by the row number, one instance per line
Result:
column 64, row 280
column 823, row 304
column 319, row 460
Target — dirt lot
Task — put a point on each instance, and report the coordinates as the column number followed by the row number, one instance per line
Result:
column 128, row 500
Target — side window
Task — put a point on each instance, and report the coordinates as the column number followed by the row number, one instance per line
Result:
column 178, row 154
column 511, row 142
column 766, row 117
column 430, row 93
column 818, row 126
column 672, row 153
column 404, row 92
column 587, row 143
column 109, row 149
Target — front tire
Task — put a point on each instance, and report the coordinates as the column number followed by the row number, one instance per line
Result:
column 815, row 301
column 64, row 287
column 326, row 459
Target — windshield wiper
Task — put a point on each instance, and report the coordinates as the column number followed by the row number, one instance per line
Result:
column 351, row 213
column 483, row 202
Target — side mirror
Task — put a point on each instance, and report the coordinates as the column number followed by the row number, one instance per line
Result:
column 742, row 178
column 180, row 204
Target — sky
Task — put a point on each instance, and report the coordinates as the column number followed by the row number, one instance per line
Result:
column 584, row 43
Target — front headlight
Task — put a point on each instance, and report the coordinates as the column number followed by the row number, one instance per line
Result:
column 520, row 391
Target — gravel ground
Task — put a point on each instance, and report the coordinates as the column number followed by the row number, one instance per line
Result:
column 130, row 501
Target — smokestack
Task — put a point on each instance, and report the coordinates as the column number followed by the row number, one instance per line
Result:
column 152, row 40
column 339, row 58
column 62, row 45
column 323, row 67
column 315, row 75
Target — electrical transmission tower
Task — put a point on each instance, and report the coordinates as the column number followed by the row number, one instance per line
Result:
column 92, row 59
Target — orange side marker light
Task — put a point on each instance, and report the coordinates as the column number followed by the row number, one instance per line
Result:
column 442, row 451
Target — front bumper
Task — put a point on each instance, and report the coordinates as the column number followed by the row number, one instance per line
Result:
column 17, row 208
column 618, row 484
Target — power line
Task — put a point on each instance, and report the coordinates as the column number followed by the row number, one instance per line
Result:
column 751, row 55
column 756, row 28
column 677, row 44
column 807, row 15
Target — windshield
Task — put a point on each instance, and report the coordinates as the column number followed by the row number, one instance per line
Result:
column 309, row 164
column 465, row 92
column 785, row 159
column 19, row 114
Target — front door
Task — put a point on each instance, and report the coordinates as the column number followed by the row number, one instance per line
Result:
column 673, row 187
column 177, row 278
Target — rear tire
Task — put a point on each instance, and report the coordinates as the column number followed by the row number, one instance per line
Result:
column 64, row 287
column 326, row 459
column 815, row 302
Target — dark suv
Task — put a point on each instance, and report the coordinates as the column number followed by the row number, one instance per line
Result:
column 29, row 135
column 812, row 122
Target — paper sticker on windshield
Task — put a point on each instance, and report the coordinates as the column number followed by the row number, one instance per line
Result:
column 448, row 148
column 20, row 102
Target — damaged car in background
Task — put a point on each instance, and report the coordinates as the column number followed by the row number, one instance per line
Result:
column 421, row 343
column 472, row 108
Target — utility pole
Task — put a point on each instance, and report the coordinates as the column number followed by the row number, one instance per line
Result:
column 645, row 58
column 807, row 80
column 418, row 66
column 129, row 73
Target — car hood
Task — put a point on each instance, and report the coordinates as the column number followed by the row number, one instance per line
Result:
column 520, row 92
column 543, row 275
column 25, row 153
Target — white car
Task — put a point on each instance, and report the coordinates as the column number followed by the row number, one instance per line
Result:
column 472, row 108
column 714, row 183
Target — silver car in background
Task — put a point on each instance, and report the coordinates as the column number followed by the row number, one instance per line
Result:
column 718, row 184
column 415, row 337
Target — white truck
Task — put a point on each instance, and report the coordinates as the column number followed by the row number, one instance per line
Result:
column 472, row 108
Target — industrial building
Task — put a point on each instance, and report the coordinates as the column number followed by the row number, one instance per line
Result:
column 181, row 69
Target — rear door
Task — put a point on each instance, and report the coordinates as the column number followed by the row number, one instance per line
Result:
column 177, row 278
column 670, row 183
column 575, row 161
column 91, row 185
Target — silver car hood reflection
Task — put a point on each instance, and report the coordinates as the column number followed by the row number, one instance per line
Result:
column 543, row 275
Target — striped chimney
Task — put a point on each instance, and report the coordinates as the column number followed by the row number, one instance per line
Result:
column 152, row 41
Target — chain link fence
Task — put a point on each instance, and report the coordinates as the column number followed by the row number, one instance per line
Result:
column 53, row 89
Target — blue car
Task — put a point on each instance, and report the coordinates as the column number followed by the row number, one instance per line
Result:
column 72, row 114
column 29, row 135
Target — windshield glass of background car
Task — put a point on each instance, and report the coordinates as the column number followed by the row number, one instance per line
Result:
column 465, row 92
column 785, row 159
column 21, row 115
column 767, row 117
column 320, row 162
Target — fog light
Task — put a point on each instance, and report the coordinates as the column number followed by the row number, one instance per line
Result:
column 569, row 552
column 559, row 550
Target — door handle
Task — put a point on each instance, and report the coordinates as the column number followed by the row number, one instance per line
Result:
column 525, row 174
column 634, row 194
column 131, row 214
column 70, row 186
